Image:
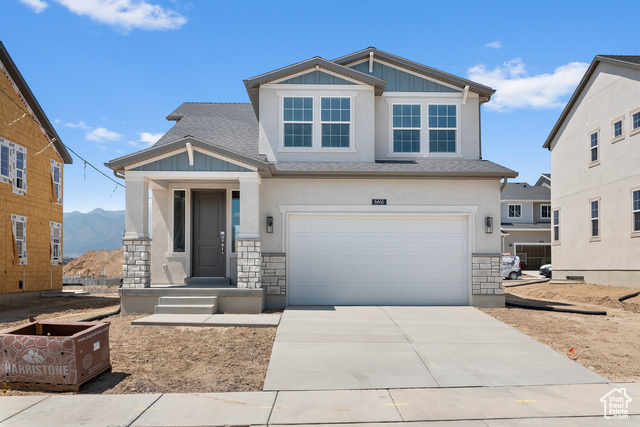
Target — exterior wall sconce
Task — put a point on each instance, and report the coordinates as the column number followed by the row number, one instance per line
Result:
column 488, row 225
column 269, row 224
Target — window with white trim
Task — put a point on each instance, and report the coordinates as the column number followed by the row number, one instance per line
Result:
column 514, row 211
column 298, row 122
column 19, row 229
column 635, row 121
column 595, row 218
column 56, row 242
column 56, row 182
column 556, row 225
column 13, row 165
column 442, row 128
column 335, row 118
column 545, row 211
column 593, row 141
column 618, row 129
column 406, row 122
column 635, row 210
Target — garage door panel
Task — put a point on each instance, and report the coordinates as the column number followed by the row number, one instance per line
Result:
column 377, row 259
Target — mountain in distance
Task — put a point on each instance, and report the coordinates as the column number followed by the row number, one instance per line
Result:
column 95, row 230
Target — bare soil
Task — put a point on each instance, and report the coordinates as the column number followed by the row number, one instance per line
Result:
column 608, row 345
column 94, row 263
column 158, row 359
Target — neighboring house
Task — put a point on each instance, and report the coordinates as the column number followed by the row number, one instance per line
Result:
column 595, row 158
column 31, row 163
column 525, row 217
column 355, row 181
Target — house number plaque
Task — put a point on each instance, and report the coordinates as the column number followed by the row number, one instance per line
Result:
column 378, row 201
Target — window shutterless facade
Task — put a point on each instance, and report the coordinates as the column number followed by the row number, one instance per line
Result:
column 5, row 170
column 442, row 128
column 556, row 225
column 56, row 242
column 595, row 217
column 335, row 117
column 635, row 121
column 617, row 128
column 179, row 217
column 545, row 211
column 19, row 230
column 635, row 210
column 514, row 211
column 594, row 151
column 298, row 121
column 13, row 165
column 56, row 180
column 406, row 121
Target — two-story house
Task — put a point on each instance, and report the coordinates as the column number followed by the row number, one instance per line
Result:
column 354, row 181
column 595, row 198
column 525, row 217
column 31, row 165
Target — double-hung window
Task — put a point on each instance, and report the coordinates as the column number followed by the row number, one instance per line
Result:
column 5, row 170
column 19, row 229
column 56, row 181
column 595, row 218
column 635, row 121
column 442, row 128
column 514, row 211
column 556, row 225
column 56, row 236
column 635, row 210
column 594, row 150
column 335, row 116
column 298, row 122
column 13, row 165
column 617, row 129
column 406, row 128
column 545, row 211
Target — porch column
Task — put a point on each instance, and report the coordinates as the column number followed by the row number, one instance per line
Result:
column 136, row 244
column 249, row 244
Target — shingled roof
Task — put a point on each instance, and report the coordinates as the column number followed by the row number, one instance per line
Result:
column 524, row 191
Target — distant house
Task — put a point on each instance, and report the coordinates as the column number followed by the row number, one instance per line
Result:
column 31, row 170
column 355, row 181
column 525, row 217
column 595, row 164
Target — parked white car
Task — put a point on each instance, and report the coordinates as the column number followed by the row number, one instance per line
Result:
column 511, row 266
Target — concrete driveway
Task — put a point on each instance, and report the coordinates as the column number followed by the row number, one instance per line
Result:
column 348, row 348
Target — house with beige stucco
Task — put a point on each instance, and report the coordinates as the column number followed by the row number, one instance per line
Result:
column 525, row 221
column 595, row 197
column 353, row 181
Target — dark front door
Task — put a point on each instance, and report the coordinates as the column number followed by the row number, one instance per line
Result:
column 209, row 243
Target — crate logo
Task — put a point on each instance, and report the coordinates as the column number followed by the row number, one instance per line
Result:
column 33, row 356
column 616, row 404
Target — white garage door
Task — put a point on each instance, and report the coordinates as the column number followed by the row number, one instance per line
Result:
column 378, row 259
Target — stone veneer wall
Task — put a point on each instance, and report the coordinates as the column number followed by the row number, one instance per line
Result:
column 249, row 263
column 136, row 263
column 274, row 273
column 486, row 274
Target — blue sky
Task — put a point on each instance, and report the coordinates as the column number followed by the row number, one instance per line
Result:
column 108, row 72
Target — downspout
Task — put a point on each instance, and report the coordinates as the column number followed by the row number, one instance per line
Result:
column 480, row 131
column 115, row 173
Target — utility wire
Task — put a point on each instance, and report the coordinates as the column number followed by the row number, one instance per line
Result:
column 52, row 137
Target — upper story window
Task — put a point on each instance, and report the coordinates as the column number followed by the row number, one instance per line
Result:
column 56, row 179
column 617, row 130
column 556, row 225
column 5, row 171
column 335, row 115
column 442, row 128
column 594, row 147
column 635, row 209
column 635, row 121
column 514, row 211
column 595, row 216
column 406, row 128
column 545, row 211
column 298, row 121
column 13, row 165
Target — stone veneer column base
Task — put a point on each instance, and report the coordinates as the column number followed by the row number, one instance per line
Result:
column 274, row 273
column 486, row 280
column 249, row 263
column 136, row 263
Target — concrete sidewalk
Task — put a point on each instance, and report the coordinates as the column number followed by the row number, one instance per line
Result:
column 556, row 405
column 246, row 320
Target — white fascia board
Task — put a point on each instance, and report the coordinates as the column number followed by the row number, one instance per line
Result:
column 184, row 150
column 188, row 175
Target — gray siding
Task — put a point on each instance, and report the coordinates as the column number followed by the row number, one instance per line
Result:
column 316, row 78
column 201, row 162
column 400, row 81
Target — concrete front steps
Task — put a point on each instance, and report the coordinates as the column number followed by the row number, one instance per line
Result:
column 187, row 305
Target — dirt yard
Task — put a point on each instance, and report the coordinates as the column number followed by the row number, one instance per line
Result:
column 608, row 345
column 155, row 359
column 94, row 263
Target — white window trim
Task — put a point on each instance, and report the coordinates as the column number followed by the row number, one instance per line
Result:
column 636, row 130
column 286, row 122
column 634, row 233
column 53, row 226
column 6, row 178
column 509, row 213
column 13, row 175
column 613, row 122
column 316, row 133
column 410, row 99
column 550, row 213
column 597, row 147
column 54, row 165
column 597, row 237
column 554, row 225
column 22, row 219
column 329, row 122
column 171, row 230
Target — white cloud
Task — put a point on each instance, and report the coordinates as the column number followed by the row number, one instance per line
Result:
column 126, row 14
column 37, row 5
column 516, row 89
column 79, row 125
column 494, row 45
column 148, row 139
column 102, row 134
